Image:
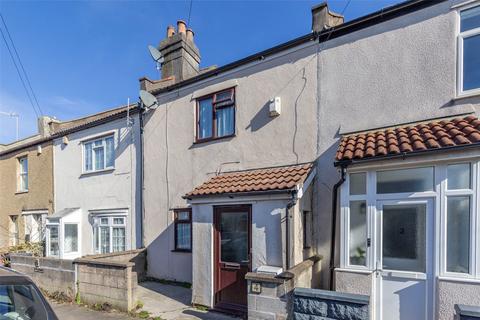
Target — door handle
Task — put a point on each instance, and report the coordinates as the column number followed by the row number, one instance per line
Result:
column 231, row 266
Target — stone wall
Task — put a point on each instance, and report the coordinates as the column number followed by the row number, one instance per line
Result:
column 269, row 296
column 314, row 304
column 111, row 278
column 50, row 274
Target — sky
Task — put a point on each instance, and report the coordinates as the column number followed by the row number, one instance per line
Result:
column 82, row 57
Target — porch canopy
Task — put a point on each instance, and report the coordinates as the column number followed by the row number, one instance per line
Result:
column 407, row 140
column 255, row 181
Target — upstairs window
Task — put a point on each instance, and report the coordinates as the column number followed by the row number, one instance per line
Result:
column 99, row 154
column 469, row 48
column 23, row 174
column 216, row 115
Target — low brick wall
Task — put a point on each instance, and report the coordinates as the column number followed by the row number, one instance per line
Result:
column 314, row 304
column 111, row 278
column 50, row 274
column 269, row 297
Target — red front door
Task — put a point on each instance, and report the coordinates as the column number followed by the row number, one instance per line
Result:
column 232, row 256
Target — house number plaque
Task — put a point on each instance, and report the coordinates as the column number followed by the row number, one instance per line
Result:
column 256, row 287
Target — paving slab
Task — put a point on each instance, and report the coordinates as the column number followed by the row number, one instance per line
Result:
column 172, row 302
column 71, row 311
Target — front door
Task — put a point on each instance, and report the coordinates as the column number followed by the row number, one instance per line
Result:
column 232, row 256
column 404, row 264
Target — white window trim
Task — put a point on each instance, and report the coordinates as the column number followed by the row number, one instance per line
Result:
column 439, row 196
column 110, row 214
column 460, row 36
column 104, row 145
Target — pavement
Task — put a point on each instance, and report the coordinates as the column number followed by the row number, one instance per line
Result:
column 172, row 302
column 160, row 300
column 71, row 311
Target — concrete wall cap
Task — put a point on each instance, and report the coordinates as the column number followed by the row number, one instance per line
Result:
column 332, row 295
column 464, row 310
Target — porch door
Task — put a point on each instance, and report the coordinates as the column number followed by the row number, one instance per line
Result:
column 232, row 256
column 404, row 266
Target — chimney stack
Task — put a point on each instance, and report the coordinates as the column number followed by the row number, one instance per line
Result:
column 181, row 55
column 322, row 18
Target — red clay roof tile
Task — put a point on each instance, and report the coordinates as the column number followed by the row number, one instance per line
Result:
column 266, row 179
column 407, row 139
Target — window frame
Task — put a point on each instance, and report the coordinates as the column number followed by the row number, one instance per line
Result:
column 104, row 146
column 21, row 173
column 176, row 221
column 213, row 96
column 110, row 224
column 460, row 38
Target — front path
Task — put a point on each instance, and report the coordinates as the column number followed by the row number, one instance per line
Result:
column 71, row 311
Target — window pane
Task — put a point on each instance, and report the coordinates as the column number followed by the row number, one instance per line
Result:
column 118, row 220
column 54, row 250
column 458, row 234
column 118, row 239
column 88, row 156
column 104, row 239
column 183, row 235
column 458, row 176
column 405, row 180
column 24, row 181
column 205, row 116
column 358, row 183
column 225, row 121
column 183, row 215
column 358, row 233
column 99, row 160
column 225, row 95
column 471, row 62
column 104, row 220
column 403, row 237
column 470, row 19
column 110, row 155
column 71, row 238
column 234, row 237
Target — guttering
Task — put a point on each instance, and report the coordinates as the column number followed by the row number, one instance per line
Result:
column 331, row 33
column 239, row 194
column 334, row 221
column 405, row 155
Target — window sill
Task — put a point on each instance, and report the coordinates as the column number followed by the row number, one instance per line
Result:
column 21, row 192
column 468, row 94
column 200, row 141
column 92, row 173
column 182, row 250
column 459, row 279
column 353, row 270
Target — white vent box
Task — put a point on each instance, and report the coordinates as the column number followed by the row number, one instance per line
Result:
column 275, row 107
column 270, row 270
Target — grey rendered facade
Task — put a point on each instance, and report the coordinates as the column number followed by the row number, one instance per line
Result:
column 395, row 69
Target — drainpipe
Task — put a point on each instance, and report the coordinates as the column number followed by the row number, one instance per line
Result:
column 334, row 221
column 290, row 205
column 142, row 162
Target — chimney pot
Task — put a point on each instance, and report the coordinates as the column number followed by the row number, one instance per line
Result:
column 190, row 34
column 323, row 18
column 170, row 31
column 181, row 26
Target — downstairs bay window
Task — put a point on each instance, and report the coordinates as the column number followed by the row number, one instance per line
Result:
column 110, row 234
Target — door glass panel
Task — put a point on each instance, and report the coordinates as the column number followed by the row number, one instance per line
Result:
column 358, row 233
column 234, row 237
column 458, row 234
column 404, row 233
column 405, row 180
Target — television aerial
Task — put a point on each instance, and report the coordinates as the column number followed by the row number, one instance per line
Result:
column 148, row 100
column 156, row 55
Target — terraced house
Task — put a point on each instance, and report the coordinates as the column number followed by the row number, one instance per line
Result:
column 364, row 133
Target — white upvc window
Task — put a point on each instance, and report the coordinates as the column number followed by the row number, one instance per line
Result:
column 99, row 154
column 110, row 234
column 468, row 51
column 22, row 184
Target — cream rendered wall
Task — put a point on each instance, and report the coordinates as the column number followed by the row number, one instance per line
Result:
column 117, row 189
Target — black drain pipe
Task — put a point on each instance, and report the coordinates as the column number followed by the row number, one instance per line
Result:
column 334, row 221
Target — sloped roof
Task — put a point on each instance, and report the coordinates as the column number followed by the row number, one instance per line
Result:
column 424, row 136
column 62, row 213
column 255, row 180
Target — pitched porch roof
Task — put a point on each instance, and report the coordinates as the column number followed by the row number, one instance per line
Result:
column 283, row 178
column 410, row 139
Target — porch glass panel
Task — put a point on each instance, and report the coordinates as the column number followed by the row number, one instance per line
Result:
column 358, row 233
column 405, row 180
column 358, row 183
column 458, row 234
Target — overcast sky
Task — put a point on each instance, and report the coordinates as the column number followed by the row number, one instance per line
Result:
column 87, row 56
